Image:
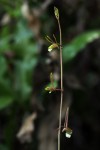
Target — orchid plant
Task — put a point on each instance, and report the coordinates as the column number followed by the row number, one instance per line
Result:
column 52, row 88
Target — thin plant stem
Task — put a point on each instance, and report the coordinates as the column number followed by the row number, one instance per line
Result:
column 61, row 71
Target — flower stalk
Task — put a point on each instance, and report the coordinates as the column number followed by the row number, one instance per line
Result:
column 51, row 88
column 61, row 74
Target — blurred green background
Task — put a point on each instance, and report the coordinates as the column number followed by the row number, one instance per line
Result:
column 28, row 114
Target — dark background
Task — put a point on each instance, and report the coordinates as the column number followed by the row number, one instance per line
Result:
column 25, row 65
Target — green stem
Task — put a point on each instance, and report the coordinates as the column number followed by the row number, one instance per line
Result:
column 61, row 69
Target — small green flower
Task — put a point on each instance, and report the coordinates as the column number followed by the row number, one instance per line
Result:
column 49, row 89
column 68, row 132
column 56, row 12
column 52, row 85
column 53, row 46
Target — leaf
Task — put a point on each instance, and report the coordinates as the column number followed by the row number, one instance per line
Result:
column 4, row 44
column 5, row 87
column 77, row 44
column 5, row 101
column 3, row 147
column 5, row 83
column 23, row 75
column 3, row 66
column 22, row 34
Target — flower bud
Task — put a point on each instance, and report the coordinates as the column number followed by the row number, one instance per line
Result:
column 56, row 12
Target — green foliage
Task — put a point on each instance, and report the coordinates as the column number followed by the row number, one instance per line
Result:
column 3, row 147
column 22, row 33
column 23, row 75
column 77, row 44
column 4, row 68
column 5, row 93
column 18, row 83
column 5, row 101
column 18, row 58
column 4, row 44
